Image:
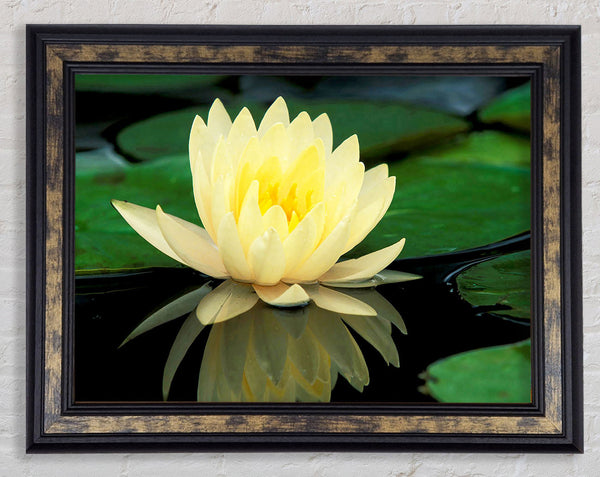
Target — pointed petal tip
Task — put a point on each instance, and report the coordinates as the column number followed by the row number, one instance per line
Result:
column 119, row 204
column 244, row 114
column 197, row 121
column 303, row 116
column 385, row 167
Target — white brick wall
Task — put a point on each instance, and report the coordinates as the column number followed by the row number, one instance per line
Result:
column 14, row 14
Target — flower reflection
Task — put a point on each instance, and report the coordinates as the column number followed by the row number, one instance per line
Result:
column 273, row 354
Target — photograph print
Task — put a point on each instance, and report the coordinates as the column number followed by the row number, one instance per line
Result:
column 302, row 239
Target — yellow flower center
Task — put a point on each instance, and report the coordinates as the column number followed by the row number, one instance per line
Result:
column 297, row 189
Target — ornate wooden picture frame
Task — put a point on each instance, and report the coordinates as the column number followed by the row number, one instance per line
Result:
column 548, row 55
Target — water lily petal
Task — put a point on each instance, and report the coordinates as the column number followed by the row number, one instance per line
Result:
column 320, row 388
column 344, row 156
column 231, row 250
column 221, row 199
column 268, row 175
column 254, row 376
column 202, row 196
column 322, row 129
column 333, row 374
column 242, row 129
column 333, row 335
column 219, row 122
column 390, row 187
column 381, row 278
column 227, row 301
column 284, row 392
column 192, row 244
column 324, row 256
column 301, row 241
column 370, row 208
column 348, row 152
column 269, row 340
column 275, row 217
column 276, row 142
column 320, row 392
column 304, row 353
column 201, row 144
column 301, row 134
column 187, row 334
column 395, row 276
column 371, row 190
column 245, row 173
column 341, row 196
column 304, row 164
column 385, row 310
column 373, row 329
column 292, row 319
column 143, row 221
column 223, row 392
column 332, row 300
column 364, row 267
column 375, row 176
column 171, row 311
column 222, row 163
column 277, row 113
column 209, row 368
column 267, row 258
column 250, row 222
column 234, row 344
column 282, row 294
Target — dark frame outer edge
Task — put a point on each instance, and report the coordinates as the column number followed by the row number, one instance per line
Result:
column 35, row 228
column 567, row 36
column 571, row 238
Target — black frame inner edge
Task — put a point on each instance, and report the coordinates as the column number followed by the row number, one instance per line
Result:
column 69, row 404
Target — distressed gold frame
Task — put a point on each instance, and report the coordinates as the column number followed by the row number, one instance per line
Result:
column 552, row 422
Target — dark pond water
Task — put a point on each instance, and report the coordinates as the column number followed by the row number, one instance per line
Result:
column 438, row 321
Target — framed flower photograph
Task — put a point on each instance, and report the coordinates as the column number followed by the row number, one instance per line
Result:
column 270, row 238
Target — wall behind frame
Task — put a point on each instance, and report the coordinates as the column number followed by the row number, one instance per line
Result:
column 14, row 14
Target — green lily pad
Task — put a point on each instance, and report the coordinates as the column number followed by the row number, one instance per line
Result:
column 142, row 84
column 512, row 108
column 103, row 240
column 484, row 147
column 504, row 281
column 382, row 127
column 446, row 206
column 498, row 374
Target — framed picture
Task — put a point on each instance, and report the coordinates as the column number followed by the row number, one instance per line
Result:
column 291, row 238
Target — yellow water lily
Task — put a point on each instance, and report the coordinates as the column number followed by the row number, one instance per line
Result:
column 279, row 208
